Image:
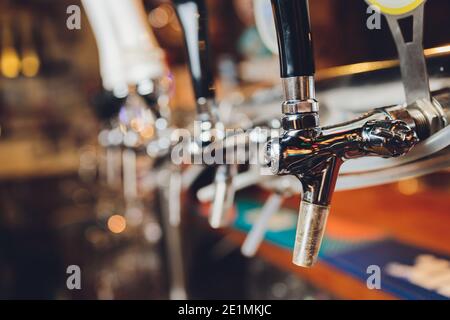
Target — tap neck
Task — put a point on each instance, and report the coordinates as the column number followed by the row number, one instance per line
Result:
column 299, row 88
column 300, row 107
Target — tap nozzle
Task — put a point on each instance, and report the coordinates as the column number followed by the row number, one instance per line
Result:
column 312, row 219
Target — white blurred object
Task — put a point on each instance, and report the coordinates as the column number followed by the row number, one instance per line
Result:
column 111, row 68
column 256, row 235
column 265, row 24
column 128, row 50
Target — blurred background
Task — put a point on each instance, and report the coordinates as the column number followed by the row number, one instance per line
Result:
column 55, row 212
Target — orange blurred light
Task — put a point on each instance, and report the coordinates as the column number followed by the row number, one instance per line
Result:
column 147, row 132
column 136, row 124
column 117, row 223
column 30, row 64
column 408, row 187
column 159, row 17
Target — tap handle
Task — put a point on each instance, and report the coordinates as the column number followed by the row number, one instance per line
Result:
column 412, row 60
column 294, row 37
column 192, row 15
column 174, row 194
column 256, row 235
column 107, row 105
column 220, row 215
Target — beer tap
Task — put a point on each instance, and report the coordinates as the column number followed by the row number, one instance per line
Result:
column 133, row 71
column 192, row 15
column 314, row 154
column 135, row 76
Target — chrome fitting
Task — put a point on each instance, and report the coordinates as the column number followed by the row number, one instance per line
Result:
column 300, row 106
column 299, row 89
column 299, row 95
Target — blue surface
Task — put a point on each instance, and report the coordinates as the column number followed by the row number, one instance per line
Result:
column 353, row 257
column 285, row 238
column 356, row 261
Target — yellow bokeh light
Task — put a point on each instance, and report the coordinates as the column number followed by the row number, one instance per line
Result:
column 408, row 187
column 30, row 64
column 437, row 50
column 394, row 7
column 10, row 63
column 117, row 223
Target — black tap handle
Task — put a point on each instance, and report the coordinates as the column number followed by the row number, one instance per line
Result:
column 192, row 15
column 107, row 105
column 294, row 37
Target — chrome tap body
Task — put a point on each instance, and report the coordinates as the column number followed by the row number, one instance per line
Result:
column 314, row 154
column 192, row 15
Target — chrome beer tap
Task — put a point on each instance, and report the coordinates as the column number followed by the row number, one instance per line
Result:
column 314, row 154
column 192, row 15
column 133, row 73
column 133, row 67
